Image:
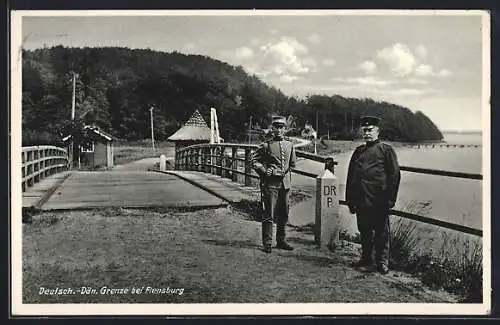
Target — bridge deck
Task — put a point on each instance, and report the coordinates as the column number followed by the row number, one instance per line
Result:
column 127, row 189
column 222, row 187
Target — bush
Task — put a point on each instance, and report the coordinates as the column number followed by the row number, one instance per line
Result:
column 456, row 266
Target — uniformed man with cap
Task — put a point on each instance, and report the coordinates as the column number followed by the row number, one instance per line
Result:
column 372, row 187
column 273, row 161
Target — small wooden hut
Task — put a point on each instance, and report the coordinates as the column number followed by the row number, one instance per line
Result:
column 96, row 152
column 194, row 131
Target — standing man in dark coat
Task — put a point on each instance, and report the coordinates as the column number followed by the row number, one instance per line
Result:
column 273, row 161
column 371, row 190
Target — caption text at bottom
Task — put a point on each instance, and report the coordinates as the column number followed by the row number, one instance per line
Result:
column 110, row 291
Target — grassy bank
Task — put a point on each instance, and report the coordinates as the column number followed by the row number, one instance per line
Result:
column 442, row 259
column 456, row 266
column 205, row 256
column 125, row 151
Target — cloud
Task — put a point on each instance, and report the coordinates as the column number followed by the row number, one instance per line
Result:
column 328, row 62
column 424, row 70
column 444, row 73
column 310, row 62
column 369, row 67
column 364, row 81
column 369, row 81
column 288, row 54
column 189, row 47
column 403, row 63
column 408, row 92
column 255, row 41
column 315, row 39
column 288, row 78
column 422, row 51
column 415, row 81
column 398, row 58
column 244, row 53
column 397, row 92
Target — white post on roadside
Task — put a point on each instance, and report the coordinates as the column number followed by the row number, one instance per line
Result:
column 152, row 130
column 163, row 163
column 327, row 222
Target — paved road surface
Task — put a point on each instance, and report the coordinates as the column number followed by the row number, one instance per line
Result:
column 128, row 189
column 142, row 164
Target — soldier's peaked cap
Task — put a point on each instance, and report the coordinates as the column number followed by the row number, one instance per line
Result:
column 278, row 120
column 369, row 120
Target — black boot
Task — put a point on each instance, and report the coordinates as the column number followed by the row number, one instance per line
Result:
column 363, row 262
column 267, row 236
column 284, row 245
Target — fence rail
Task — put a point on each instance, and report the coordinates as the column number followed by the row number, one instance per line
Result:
column 39, row 162
column 222, row 160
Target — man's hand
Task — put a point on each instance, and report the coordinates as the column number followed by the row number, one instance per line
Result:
column 269, row 172
column 391, row 204
column 352, row 209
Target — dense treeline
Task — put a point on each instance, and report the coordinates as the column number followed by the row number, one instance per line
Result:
column 115, row 87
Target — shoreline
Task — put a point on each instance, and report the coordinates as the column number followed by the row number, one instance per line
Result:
column 342, row 146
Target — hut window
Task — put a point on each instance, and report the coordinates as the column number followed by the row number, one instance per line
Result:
column 88, row 146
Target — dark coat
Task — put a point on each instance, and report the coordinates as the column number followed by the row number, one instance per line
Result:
column 279, row 155
column 373, row 176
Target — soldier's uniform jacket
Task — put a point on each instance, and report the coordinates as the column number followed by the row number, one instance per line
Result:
column 279, row 155
column 373, row 176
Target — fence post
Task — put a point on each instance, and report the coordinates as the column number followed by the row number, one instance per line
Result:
column 212, row 160
column 218, row 160
column 206, row 151
column 199, row 160
column 327, row 222
column 223, row 164
column 183, row 160
column 248, row 167
column 30, row 168
column 190, row 159
column 37, row 165
column 234, row 164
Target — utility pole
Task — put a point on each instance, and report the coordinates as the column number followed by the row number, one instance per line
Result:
column 152, row 130
column 73, row 104
column 250, row 129
column 317, row 133
column 73, row 97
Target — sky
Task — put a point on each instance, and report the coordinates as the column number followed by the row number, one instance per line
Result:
column 432, row 63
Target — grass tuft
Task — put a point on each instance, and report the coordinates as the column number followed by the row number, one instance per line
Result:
column 455, row 266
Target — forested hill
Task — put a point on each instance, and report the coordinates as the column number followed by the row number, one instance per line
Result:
column 116, row 87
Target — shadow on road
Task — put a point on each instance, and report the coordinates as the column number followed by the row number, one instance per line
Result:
column 231, row 243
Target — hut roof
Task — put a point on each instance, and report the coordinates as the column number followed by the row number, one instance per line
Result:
column 96, row 130
column 195, row 129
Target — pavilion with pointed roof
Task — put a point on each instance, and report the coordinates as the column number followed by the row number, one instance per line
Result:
column 194, row 131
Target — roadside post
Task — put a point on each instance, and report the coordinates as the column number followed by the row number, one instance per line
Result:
column 163, row 163
column 327, row 222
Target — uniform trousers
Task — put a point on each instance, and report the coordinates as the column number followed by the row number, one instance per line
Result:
column 276, row 210
column 373, row 226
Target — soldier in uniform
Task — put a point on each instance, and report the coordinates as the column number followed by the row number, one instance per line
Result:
column 371, row 190
column 273, row 161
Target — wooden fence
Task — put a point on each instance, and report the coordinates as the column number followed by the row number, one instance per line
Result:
column 223, row 160
column 39, row 162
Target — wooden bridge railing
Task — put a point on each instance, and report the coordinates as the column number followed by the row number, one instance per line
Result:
column 229, row 160
column 39, row 162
